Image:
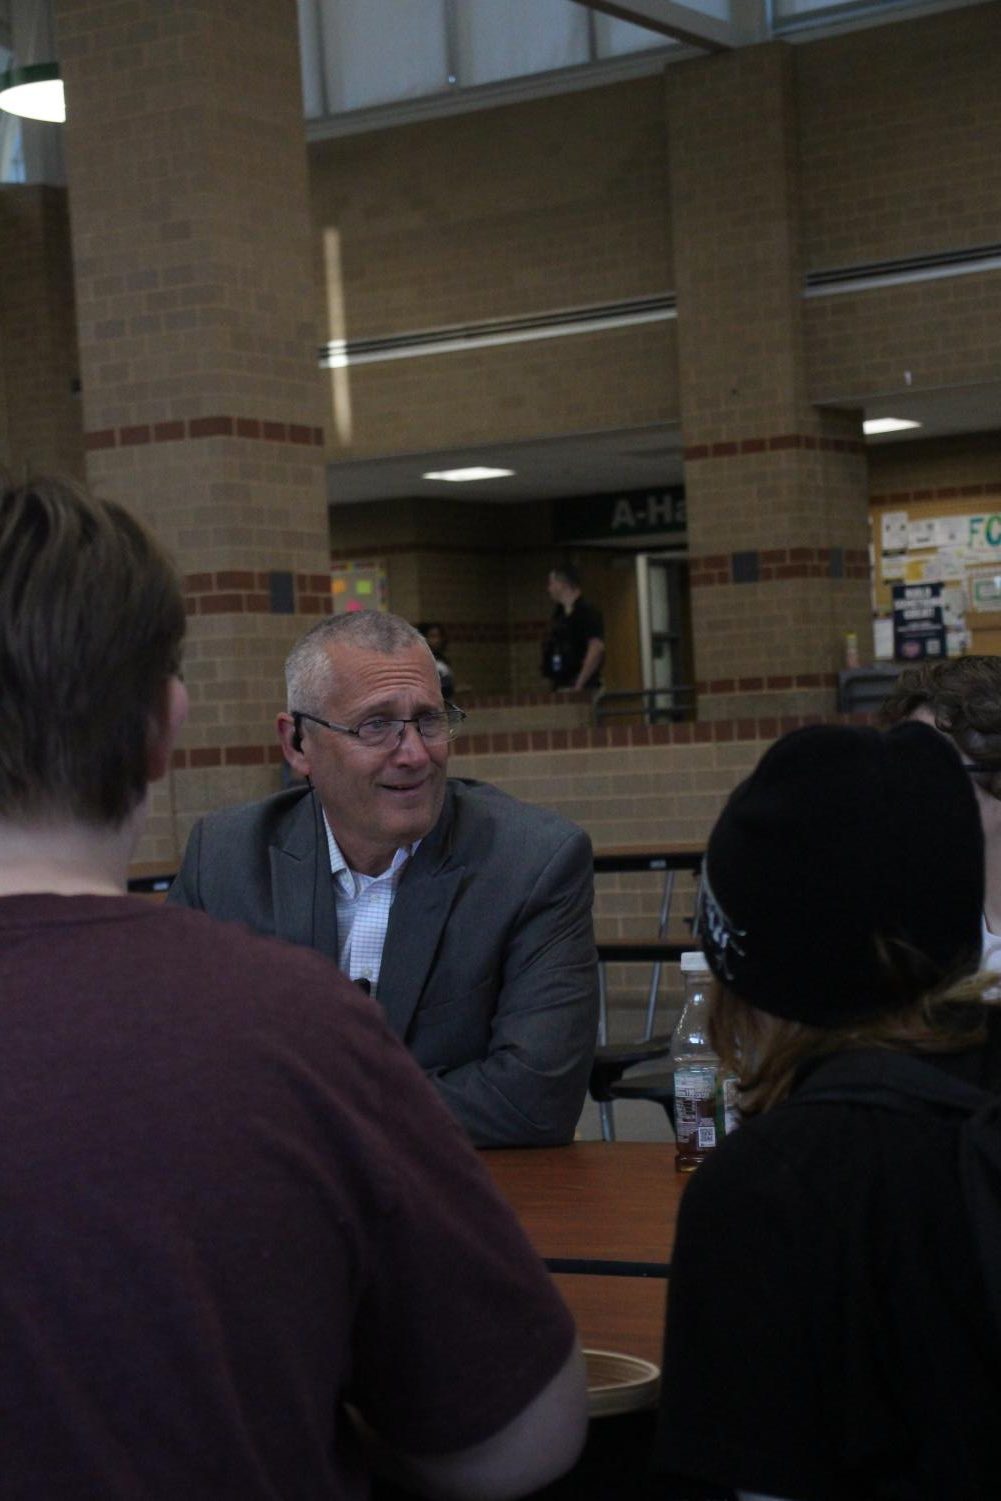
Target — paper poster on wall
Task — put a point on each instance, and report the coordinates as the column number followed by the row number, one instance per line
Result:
column 921, row 533
column 951, row 563
column 916, row 570
column 950, row 531
column 894, row 531
column 893, row 566
column 918, row 627
column 984, row 585
column 882, row 639
column 983, row 533
column 954, row 606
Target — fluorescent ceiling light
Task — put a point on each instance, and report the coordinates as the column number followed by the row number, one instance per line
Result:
column 887, row 425
column 462, row 476
column 34, row 93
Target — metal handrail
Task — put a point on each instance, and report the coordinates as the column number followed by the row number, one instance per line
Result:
column 657, row 705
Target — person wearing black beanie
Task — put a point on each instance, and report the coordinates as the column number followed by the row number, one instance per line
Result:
column 834, row 1319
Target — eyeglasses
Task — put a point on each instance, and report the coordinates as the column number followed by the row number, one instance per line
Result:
column 433, row 727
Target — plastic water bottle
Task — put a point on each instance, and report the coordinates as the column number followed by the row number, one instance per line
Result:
column 696, row 1069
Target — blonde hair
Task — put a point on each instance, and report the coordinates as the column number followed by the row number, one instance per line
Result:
column 766, row 1052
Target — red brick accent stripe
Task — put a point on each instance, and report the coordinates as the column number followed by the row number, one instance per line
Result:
column 771, row 443
column 780, row 563
column 522, row 700
column 200, row 756
column 365, row 551
column 700, row 732
column 774, row 684
column 244, row 592
column 944, row 492
column 204, row 427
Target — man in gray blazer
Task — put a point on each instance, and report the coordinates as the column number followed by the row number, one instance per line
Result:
column 465, row 912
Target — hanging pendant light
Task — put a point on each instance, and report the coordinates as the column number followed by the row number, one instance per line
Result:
column 34, row 92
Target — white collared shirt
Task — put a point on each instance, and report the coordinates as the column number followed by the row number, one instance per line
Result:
column 990, row 952
column 363, row 904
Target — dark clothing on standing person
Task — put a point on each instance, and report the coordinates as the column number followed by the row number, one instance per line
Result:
column 230, row 1202
column 828, row 1331
column 566, row 645
column 445, row 677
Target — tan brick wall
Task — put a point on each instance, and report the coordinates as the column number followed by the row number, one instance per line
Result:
column 42, row 426
column 767, row 478
column 892, row 146
column 548, row 387
column 553, row 203
column 900, row 155
column 202, row 399
column 556, row 203
column 900, row 139
column 920, row 337
column 624, row 794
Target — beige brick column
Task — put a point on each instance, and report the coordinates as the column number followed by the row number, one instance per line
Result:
column 776, row 488
column 40, row 423
column 202, row 398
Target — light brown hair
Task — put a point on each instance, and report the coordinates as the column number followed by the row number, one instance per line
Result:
column 91, row 624
column 766, row 1052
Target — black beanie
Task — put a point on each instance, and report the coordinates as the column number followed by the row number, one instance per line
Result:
column 839, row 835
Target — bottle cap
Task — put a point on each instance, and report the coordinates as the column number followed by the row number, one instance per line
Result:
column 694, row 962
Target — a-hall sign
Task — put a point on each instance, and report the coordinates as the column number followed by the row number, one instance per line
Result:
column 621, row 515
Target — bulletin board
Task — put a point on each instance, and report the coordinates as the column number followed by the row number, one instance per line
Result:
column 947, row 543
column 358, row 585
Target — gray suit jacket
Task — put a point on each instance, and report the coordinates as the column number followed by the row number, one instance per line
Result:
column 489, row 972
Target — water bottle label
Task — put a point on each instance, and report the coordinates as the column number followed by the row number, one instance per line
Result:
column 694, row 1105
column 706, row 1136
column 694, row 1083
column 731, row 1105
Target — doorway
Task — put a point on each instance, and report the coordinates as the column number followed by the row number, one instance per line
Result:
column 665, row 636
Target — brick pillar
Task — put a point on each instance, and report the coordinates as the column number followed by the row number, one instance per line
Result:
column 776, row 488
column 40, row 425
column 202, row 396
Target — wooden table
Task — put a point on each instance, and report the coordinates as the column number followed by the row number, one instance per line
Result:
column 665, row 855
column 149, row 878
column 610, row 1211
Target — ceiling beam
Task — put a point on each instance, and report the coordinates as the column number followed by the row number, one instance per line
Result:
column 672, row 19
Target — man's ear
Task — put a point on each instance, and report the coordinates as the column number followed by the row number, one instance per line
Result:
column 164, row 727
column 291, row 743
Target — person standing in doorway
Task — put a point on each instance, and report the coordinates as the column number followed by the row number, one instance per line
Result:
column 434, row 634
column 574, row 649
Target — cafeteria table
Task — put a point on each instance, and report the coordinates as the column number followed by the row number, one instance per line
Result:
column 602, row 1215
column 608, row 1211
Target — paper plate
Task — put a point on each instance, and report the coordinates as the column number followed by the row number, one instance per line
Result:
column 619, row 1383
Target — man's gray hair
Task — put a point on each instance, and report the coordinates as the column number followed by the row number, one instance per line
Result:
column 309, row 672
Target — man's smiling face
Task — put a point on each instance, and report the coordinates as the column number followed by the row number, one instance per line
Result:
column 377, row 798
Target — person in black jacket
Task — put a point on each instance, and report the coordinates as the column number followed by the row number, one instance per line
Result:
column 574, row 649
column 829, row 1327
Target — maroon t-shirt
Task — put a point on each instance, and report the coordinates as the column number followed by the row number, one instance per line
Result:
column 230, row 1201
